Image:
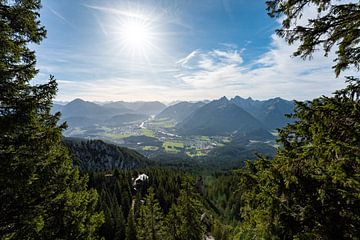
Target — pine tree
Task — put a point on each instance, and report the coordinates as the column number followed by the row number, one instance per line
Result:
column 42, row 195
column 173, row 223
column 189, row 212
column 131, row 226
column 151, row 220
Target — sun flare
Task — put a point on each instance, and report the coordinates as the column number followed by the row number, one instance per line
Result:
column 137, row 36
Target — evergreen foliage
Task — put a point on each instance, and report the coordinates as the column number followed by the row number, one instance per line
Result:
column 311, row 190
column 166, row 206
column 131, row 226
column 151, row 219
column 42, row 195
column 189, row 210
column 336, row 24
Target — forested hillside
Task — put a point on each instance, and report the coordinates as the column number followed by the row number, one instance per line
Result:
column 156, row 203
column 95, row 155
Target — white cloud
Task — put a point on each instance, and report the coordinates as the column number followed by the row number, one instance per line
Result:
column 275, row 73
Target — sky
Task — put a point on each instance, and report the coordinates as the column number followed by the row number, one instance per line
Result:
column 168, row 50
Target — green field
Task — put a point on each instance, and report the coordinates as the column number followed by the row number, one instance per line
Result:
column 172, row 147
column 196, row 153
column 147, row 132
column 150, row 148
column 163, row 122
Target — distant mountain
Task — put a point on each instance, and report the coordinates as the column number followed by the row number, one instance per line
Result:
column 274, row 111
column 180, row 111
column 270, row 112
column 80, row 113
column 56, row 108
column 121, row 119
column 96, row 155
column 78, row 121
column 153, row 107
column 219, row 117
column 79, row 107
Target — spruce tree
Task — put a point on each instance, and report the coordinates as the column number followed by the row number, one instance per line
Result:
column 130, row 230
column 189, row 210
column 42, row 195
column 173, row 223
column 151, row 220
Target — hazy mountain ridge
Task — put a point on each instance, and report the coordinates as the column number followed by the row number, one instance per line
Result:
column 270, row 113
column 152, row 107
column 180, row 111
column 80, row 113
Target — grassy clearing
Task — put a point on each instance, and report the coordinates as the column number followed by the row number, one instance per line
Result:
column 147, row 132
column 197, row 153
column 150, row 148
column 173, row 147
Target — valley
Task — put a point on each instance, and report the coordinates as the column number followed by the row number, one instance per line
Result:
column 151, row 138
column 182, row 131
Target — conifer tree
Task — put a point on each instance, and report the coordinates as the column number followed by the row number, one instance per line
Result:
column 173, row 223
column 151, row 220
column 131, row 226
column 189, row 212
column 311, row 190
column 42, row 195
column 335, row 26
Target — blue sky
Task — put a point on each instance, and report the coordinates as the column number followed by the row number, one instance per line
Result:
column 183, row 50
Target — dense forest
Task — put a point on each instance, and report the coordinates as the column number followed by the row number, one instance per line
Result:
column 56, row 188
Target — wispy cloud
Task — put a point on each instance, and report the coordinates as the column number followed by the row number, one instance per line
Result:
column 60, row 16
column 118, row 12
column 275, row 73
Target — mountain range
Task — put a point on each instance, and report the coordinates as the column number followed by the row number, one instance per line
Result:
column 80, row 113
column 180, row 111
column 236, row 116
column 270, row 112
column 219, row 117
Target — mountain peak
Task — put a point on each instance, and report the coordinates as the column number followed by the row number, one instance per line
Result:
column 77, row 100
column 237, row 98
column 223, row 99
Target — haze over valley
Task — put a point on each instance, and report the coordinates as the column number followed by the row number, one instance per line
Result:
column 183, row 130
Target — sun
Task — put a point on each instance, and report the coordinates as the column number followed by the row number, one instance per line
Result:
column 137, row 36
